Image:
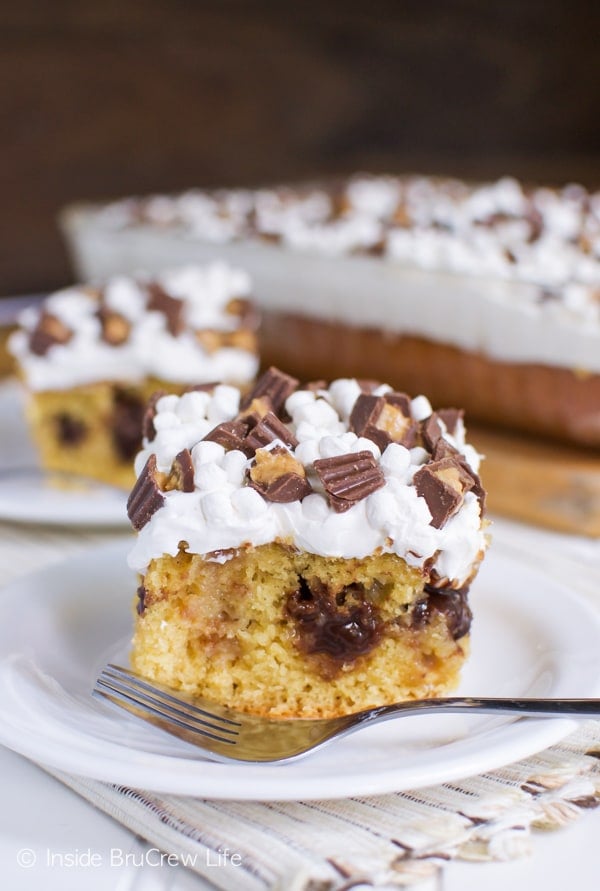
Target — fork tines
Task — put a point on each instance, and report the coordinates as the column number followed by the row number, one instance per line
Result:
column 125, row 688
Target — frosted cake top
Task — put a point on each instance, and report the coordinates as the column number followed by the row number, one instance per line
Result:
column 187, row 325
column 342, row 470
column 547, row 237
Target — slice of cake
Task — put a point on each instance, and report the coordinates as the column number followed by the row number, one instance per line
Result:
column 483, row 295
column 305, row 551
column 92, row 356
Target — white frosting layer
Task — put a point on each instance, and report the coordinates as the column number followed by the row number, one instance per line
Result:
column 150, row 350
column 224, row 512
column 514, row 275
column 544, row 236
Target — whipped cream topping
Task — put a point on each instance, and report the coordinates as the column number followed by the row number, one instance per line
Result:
column 546, row 237
column 223, row 512
column 149, row 347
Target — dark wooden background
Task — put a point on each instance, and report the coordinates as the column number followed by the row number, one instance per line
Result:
column 101, row 98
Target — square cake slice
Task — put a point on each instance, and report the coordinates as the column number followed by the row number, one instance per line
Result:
column 305, row 551
column 91, row 357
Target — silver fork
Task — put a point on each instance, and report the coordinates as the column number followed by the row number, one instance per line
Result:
column 228, row 735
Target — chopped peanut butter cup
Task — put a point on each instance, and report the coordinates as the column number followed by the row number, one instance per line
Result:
column 274, row 384
column 278, row 476
column 231, row 435
column 170, row 307
column 115, row 327
column 384, row 419
column 145, row 498
column 443, row 484
column 181, row 476
column 267, row 430
column 48, row 332
column 347, row 479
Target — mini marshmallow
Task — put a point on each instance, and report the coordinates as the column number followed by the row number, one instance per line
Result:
column 210, row 476
column 206, row 452
column 420, row 408
column 234, row 464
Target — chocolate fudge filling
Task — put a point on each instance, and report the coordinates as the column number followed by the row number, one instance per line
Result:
column 453, row 604
column 70, row 431
column 127, row 421
column 340, row 626
column 141, row 600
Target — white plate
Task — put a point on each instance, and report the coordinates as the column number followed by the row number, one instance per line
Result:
column 30, row 500
column 531, row 636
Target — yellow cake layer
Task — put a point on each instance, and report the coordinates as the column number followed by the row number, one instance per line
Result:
column 89, row 413
column 223, row 630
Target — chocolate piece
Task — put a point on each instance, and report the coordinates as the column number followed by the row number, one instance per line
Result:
column 48, row 332
column 231, row 435
column 256, row 410
column 115, row 327
column 400, row 401
column 431, row 432
column 278, row 476
column 340, row 626
column 288, row 487
column 145, row 498
column 477, row 486
column 366, row 385
column 313, row 386
column 70, row 431
column 241, row 339
column 148, row 429
column 384, row 419
column 202, row 388
column 536, row 223
column 127, row 419
column 141, row 600
column 450, row 417
column 181, row 476
column 443, row 449
column 349, row 478
column 170, row 307
column 377, row 249
column 365, row 412
column 443, row 485
column 451, row 603
column 246, row 311
column 267, row 430
column 273, row 384
column 210, row 340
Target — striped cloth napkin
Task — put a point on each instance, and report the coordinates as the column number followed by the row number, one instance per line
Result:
column 385, row 841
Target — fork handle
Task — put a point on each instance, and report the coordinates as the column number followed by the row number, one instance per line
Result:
column 543, row 708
